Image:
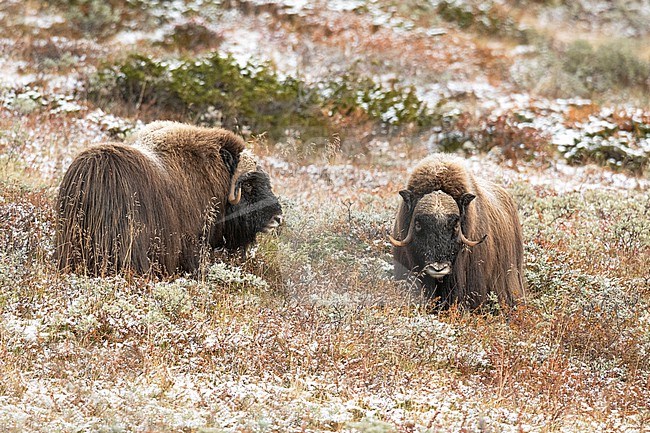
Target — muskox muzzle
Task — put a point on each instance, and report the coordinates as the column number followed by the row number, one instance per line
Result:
column 438, row 269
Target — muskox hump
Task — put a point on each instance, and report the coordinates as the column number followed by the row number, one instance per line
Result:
column 112, row 214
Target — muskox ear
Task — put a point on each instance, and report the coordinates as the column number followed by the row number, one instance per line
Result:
column 408, row 197
column 229, row 160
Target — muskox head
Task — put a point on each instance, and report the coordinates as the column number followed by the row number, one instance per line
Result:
column 252, row 206
column 435, row 231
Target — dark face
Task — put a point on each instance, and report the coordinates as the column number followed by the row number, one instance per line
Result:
column 435, row 243
column 435, row 227
column 257, row 211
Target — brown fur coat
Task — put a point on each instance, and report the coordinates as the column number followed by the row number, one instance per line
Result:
column 146, row 205
column 495, row 265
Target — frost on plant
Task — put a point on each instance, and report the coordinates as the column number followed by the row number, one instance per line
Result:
column 223, row 275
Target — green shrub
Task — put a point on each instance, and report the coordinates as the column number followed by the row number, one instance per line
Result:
column 483, row 17
column 458, row 12
column 576, row 56
column 609, row 152
column 192, row 36
column 252, row 95
column 217, row 90
column 618, row 140
column 612, row 65
column 394, row 106
column 92, row 18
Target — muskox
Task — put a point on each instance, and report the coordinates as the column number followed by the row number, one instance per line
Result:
column 459, row 236
column 157, row 203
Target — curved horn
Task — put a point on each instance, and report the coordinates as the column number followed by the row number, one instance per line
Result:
column 466, row 241
column 410, row 201
column 232, row 198
column 245, row 165
column 407, row 240
column 463, row 202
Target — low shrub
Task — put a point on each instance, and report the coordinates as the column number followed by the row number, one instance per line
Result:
column 611, row 65
column 580, row 70
column 508, row 134
column 92, row 18
column 619, row 140
column 217, row 90
column 393, row 106
column 487, row 18
column 192, row 36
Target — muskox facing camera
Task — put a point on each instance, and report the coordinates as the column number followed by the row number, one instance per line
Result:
column 458, row 235
column 156, row 202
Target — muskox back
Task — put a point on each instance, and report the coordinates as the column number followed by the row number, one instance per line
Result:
column 495, row 266
column 115, row 211
column 147, row 207
column 485, row 249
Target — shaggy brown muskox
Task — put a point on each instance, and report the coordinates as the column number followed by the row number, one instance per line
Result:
column 461, row 236
column 153, row 204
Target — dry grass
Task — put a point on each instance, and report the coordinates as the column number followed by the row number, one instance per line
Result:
column 325, row 341
column 313, row 334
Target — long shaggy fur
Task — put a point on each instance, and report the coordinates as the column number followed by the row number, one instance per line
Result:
column 148, row 206
column 494, row 266
column 441, row 173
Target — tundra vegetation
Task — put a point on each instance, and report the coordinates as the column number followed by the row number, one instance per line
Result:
column 312, row 333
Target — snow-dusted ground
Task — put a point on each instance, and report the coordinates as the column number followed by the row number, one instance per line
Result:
column 57, row 381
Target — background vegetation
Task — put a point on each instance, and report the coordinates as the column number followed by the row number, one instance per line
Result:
column 339, row 100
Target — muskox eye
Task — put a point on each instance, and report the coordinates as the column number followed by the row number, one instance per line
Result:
column 247, row 187
column 418, row 227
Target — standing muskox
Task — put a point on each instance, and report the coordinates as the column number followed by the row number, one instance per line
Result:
column 461, row 236
column 155, row 203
